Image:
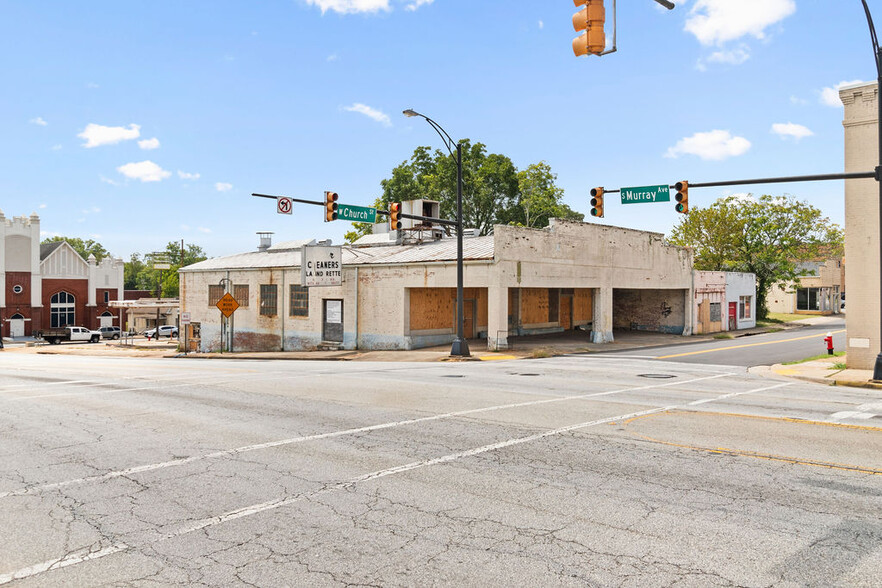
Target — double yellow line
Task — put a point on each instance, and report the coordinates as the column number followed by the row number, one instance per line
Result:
column 743, row 346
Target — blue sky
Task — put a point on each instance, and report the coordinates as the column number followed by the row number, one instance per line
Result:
column 141, row 122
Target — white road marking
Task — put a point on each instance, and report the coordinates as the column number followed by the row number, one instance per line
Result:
column 70, row 559
column 329, row 435
column 852, row 414
column 275, row 504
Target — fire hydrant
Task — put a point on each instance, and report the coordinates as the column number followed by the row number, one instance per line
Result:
column 828, row 340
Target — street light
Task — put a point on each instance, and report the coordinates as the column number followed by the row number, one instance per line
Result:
column 666, row 4
column 460, row 346
column 877, row 53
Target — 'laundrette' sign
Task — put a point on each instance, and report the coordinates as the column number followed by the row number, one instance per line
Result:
column 321, row 266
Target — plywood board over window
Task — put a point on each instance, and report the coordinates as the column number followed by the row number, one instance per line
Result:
column 534, row 306
column 583, row 305
column 432, row 308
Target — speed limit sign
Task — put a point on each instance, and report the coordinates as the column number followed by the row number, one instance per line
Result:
column 284, row 205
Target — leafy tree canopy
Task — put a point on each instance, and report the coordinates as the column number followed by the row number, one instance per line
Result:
column 140, row 274
column 494, row 191
column 767, row 236
column 85, row 247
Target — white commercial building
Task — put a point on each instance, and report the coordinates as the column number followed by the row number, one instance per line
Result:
column 399, row 292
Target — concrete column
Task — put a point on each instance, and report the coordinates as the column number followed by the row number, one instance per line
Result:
column 2, row 260
column 93, row 279
column 861, row 226
column 497, row 318
column 603, row 316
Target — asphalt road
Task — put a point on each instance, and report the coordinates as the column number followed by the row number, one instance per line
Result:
column 568, row 471
column 753, row 350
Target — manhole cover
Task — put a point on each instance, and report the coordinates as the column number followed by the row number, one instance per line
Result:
column 657, row 376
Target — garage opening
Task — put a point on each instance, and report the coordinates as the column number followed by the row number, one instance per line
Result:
column 661, row 311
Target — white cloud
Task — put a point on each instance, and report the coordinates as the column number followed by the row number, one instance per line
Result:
column 96, row 135
column 223, row 187
column 148, row 144
column 369, row 112
column 541, row 24
column 38, row 121
column 332, row 58
column 42, row 206
column 714, row 22
column 830, row 96
column 187, row 176
column 791, row 130
column 56, row 148
column 185, row 227
column 713, row 145
column 146, row 171
column 732, row 57
column 109, row 181
column 203, row 230
column 350, row 6
column 415, row 5
column 797, row 100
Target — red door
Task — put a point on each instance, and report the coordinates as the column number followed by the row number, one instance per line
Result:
column 733, row 316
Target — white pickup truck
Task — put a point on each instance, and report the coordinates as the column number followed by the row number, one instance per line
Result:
column 55, row 336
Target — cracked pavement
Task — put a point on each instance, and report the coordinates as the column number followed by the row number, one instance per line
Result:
column 561, row 471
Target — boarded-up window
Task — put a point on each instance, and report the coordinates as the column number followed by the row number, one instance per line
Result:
column 432, row 308
column 299, row 300
column 215, row 293
column 240, row 293
column 716, row 312
column 269, row 304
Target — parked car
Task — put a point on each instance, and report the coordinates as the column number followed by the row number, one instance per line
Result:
column 55, row 336
column 109, row 332
column 164, row 331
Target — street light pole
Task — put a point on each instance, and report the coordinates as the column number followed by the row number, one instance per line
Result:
column 877, row 54
column 460, row 346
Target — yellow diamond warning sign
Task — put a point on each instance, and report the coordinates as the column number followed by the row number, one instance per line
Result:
column 227, row 305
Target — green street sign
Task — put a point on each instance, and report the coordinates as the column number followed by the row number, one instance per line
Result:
column 640, row 194
column 358, row 214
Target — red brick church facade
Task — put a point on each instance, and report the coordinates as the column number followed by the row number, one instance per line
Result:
column 51, row 285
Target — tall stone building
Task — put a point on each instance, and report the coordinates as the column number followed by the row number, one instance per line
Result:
column 862, row 225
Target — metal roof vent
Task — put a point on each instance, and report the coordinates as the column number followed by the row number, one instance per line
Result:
column 266, row 240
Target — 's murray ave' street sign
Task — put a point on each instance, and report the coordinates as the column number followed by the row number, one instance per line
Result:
column 641, row 194
column 358, row 214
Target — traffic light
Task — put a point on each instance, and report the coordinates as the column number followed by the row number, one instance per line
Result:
column 597, row 202
column 682, row 197
column 394, row 216
column 330, row 206
column 590, row 19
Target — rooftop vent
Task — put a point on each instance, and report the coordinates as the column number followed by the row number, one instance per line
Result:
column 266, row 240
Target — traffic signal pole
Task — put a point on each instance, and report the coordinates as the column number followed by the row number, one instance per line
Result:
column 779, row 180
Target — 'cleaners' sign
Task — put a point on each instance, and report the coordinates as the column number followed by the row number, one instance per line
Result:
column 321, row 266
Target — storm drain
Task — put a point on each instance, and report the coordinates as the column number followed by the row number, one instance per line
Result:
column 656, row 376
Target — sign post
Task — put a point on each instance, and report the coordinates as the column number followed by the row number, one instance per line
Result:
column 643, row 194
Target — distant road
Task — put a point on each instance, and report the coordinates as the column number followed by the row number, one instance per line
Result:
column 753, row 350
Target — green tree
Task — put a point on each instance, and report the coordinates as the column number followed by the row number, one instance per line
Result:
column 494, row 192
column 767, row 236
column 539, row 198
column 140, row 274
column 85, row 247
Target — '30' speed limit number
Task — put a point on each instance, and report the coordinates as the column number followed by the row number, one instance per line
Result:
column 284, row 205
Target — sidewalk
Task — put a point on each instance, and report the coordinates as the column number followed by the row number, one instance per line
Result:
column 827, row 371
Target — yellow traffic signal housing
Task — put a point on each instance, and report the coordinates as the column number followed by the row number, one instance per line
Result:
column 590, row 19
column 597, row 202
column 394, row 218
column 330, row 206
column 682, row 197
